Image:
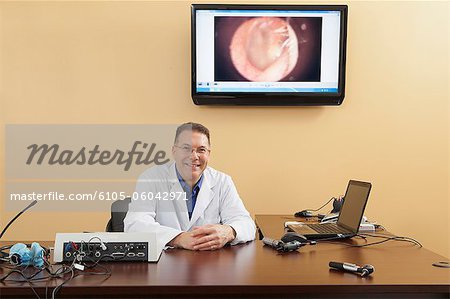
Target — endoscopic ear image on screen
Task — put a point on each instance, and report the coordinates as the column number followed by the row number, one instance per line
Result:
column 267, row 49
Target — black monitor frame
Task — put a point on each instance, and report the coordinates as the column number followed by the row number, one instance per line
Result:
column 271, row 98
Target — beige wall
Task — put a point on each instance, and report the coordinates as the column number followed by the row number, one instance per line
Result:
column 119, row 62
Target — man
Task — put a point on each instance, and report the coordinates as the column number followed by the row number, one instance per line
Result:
column 212, row 214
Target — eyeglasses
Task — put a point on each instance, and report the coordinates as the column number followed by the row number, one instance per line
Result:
column 201, row 151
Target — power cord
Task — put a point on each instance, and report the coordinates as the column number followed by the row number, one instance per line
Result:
column 27, row 279
column 82, row 264
column 333, row 198
column 393, row 238
column 365, row 235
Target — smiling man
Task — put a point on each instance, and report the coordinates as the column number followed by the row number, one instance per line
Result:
column 208, row 215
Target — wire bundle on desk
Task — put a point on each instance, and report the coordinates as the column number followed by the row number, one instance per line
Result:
column 386, row 238
column 82, row 264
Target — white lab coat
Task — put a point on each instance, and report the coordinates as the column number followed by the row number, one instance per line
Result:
column 217, row 203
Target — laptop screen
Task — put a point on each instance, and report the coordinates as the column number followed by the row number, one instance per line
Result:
column 354, row 204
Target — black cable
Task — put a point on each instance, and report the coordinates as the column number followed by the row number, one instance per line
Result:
column 96, row 263
column 57, row 274
column 386, row 239
column 58, row 287
column 65, row 269
column 103, row 257
column 107, row 272
column 74, row 274
column 34, row 291
column 61, row 272
column 27, row 279
column 64, row 272
column 330, row 239
column 324, row 204
column 397, row 238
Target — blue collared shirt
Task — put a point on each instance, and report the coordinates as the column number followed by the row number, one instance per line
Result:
column 191, row 195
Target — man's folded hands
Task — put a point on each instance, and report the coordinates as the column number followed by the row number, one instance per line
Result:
column 205, row 237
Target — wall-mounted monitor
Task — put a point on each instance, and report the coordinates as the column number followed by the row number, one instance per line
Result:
column 269, row 55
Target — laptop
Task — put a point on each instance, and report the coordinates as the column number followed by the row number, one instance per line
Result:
column 349, row 219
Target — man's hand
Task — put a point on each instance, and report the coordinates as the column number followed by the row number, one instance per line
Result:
column 184, row 240
column 212, row 236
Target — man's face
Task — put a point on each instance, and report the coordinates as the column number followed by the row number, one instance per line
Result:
column 191, row 154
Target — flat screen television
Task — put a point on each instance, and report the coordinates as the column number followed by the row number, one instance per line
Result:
column 268, row 55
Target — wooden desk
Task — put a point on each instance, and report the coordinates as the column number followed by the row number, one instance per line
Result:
column 254, row 270
column 401, row 268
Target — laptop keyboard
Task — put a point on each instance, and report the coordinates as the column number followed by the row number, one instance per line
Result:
column 328, row 228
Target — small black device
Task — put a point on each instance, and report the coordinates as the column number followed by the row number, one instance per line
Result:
column 337, row 205
column 291, row 236
column 365, row 270
column 289, row 242
column 304, row 213
column 282, row 246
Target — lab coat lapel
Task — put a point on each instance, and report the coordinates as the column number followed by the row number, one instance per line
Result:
column 179, row 205
column 204, row 198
